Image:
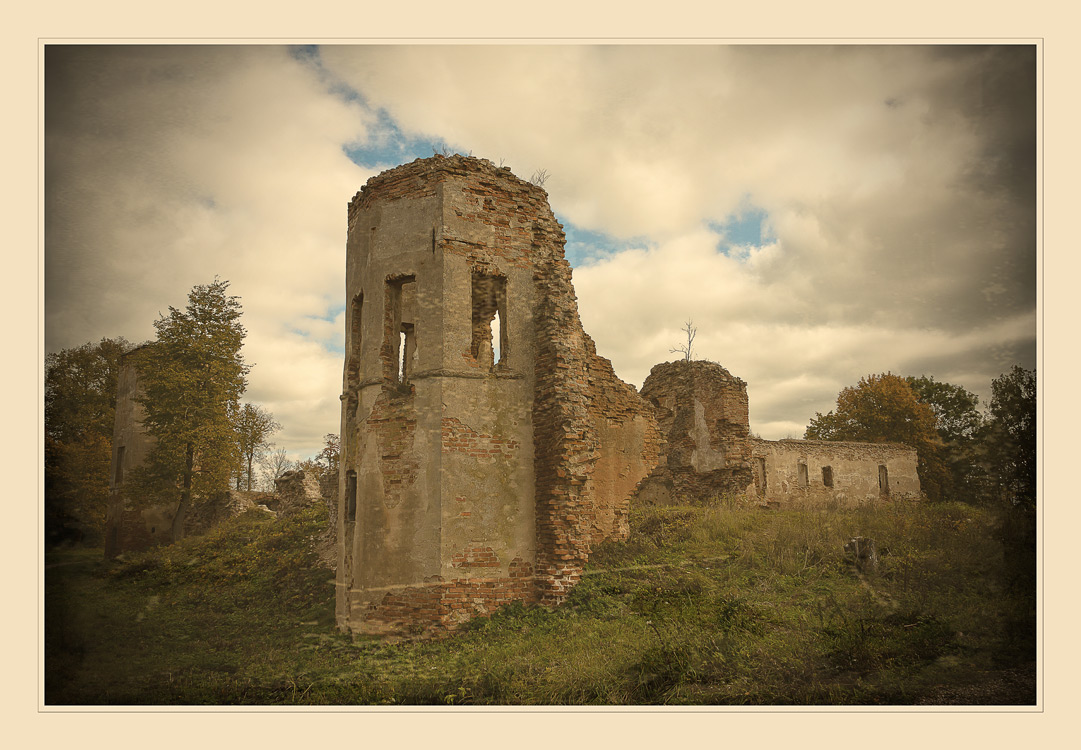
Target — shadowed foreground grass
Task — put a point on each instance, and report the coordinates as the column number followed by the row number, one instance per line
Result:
column 722, row 605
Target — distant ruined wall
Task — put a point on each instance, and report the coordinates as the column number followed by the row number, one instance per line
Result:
column 296, row 490
column 791, row 470
column 703, row 412
column 485, row 446
column 128, row 528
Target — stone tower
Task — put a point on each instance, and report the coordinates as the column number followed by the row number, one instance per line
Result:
column 485, row 445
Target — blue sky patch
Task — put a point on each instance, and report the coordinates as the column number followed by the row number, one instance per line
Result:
column 749, row 227
column 584, row 246
column 389, row 147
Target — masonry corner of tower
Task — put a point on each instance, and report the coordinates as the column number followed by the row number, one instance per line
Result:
column 486, row 447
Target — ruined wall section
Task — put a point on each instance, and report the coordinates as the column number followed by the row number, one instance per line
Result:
column 565, row 441
column 388, row 519
column 476, row 480
column 127, row 527
column 809, row 470
column 442, row 460
column 702, row 412
column 629, row 446
column 489, row 538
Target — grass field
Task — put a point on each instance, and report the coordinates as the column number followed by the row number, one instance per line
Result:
column 725, row 605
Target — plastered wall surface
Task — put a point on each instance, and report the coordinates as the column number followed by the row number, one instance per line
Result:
column 854, row 469
column 127, row 527
column 485, row 445
column 703, row 412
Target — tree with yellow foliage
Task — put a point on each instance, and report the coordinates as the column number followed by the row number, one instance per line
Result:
column 885, row 409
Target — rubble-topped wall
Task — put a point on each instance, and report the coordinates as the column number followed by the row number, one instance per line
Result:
column 702, row 412
column 295, row 490
column 485, row 446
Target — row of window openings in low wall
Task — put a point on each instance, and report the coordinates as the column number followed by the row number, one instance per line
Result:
column 802, row 478
column 489, row 336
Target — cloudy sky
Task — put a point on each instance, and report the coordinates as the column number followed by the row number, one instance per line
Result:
column 820, row 212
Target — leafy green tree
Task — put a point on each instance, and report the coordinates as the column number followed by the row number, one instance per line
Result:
column 80, row 409
column 960, row 426
column 254, row 425
column 191, row 380
column 323, row 462
column 1011, row 437
column 957, row 416
column 885, row 408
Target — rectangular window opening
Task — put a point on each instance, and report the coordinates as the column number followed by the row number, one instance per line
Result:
column 400, row 345
column 490, row 338
column 118, row 477
column 827, row 476
column 801, row 474
column 883, row 481
column 353, row 363
column 350, row 496
column 760, row 465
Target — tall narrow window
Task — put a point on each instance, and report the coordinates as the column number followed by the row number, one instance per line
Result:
column 489, row 324
column 760, row 465
column 353, row 364
column 400, row 345
column 883, row 481
column 827, row 476
column 801, row 474
column 350, row 496
column 118, row 477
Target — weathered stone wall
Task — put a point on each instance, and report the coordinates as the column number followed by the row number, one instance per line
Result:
column 296, row 490
column 128, row 528
column 629, row 446
column 702, row 411
column 475, row 410
column 857, row 472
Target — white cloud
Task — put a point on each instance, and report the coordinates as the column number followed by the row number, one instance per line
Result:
column 897, row 183
column 179, row 164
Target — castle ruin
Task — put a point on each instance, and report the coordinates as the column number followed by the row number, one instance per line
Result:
column 709, row 452
column 485, row 446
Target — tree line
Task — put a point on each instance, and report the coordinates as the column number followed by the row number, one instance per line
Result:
column 191, row 379
column 962, row 453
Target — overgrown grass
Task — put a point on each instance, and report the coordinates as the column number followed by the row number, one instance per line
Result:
column 718, row 605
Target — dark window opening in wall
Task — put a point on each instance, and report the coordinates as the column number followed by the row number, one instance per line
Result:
column 353, row 365
column 883, row 481
column 489, row 325
column 118, row 477
column 801, row 474
column 350, row 496
column 827, row 476
column 760, row 465
column 400, row 346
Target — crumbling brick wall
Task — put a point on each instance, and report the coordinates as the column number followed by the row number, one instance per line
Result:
column 702, row 411
column 482, row 468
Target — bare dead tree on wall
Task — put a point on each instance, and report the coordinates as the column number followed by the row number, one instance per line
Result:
column 686, row 349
